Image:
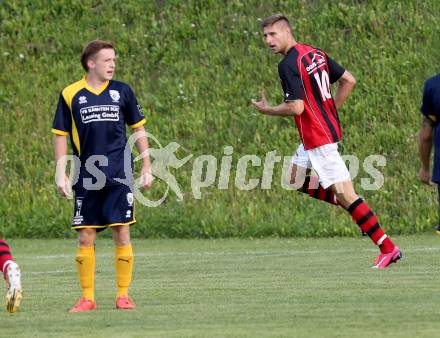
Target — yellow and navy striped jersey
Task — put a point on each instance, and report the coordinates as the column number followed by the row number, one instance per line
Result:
column 95, row 121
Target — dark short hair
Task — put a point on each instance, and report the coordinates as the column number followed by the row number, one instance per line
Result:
column 92, row 49
column 269, row 21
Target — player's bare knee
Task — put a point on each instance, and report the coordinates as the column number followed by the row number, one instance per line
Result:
column 122, row 241
column 86, row 237
column 121, row 235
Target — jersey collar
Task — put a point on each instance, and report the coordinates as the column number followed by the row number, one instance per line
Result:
column 94, row 91
column 292, row 48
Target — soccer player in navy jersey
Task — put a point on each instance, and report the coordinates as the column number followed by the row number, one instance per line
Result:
column 306, row 73
column 12, row 275
column 94, row 112
column 430, row 127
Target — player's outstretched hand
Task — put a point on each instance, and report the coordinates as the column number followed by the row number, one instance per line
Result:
column 425, row 176
column 261, row 105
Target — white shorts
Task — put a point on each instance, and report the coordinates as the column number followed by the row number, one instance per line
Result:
column 326, row 161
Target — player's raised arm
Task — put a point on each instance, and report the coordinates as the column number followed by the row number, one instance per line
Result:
column 346, row 84
column 288, row 108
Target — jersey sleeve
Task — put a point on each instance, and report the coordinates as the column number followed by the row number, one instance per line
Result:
column 291, row 82
column 336, row 70
column 62, row 123
column 132, row 110
column 427, row 108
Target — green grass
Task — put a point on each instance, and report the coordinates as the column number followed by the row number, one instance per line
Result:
column 234, row 288
column 195, row 66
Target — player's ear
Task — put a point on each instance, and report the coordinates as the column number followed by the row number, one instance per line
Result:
column 90, row 63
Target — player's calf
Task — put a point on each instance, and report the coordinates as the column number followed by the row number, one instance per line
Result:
column 312, row 187
column 301, row 180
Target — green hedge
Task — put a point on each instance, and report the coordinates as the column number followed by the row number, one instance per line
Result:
column 195, row 66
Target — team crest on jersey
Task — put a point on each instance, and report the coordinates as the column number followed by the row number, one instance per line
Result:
column 114, row 94
column 317, row 61
column 130, row 199
column 318, row 58
column 82, row 100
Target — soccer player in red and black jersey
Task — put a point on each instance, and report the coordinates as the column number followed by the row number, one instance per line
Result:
column 306, row 73
column 12, row 275
column 94, row 112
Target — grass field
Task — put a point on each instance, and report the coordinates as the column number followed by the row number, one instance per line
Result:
column 235, row 288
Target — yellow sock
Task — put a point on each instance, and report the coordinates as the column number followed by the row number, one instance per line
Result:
column 124, row 268
column 85, row 263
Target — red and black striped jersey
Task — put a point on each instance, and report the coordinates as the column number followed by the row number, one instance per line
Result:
column 306, row 73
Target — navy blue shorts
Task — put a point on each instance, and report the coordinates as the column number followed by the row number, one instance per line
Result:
column 99, row 209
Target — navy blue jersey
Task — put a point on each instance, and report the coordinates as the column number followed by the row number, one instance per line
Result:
column 431, row 109
column 95, row 121
column 431, row 99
